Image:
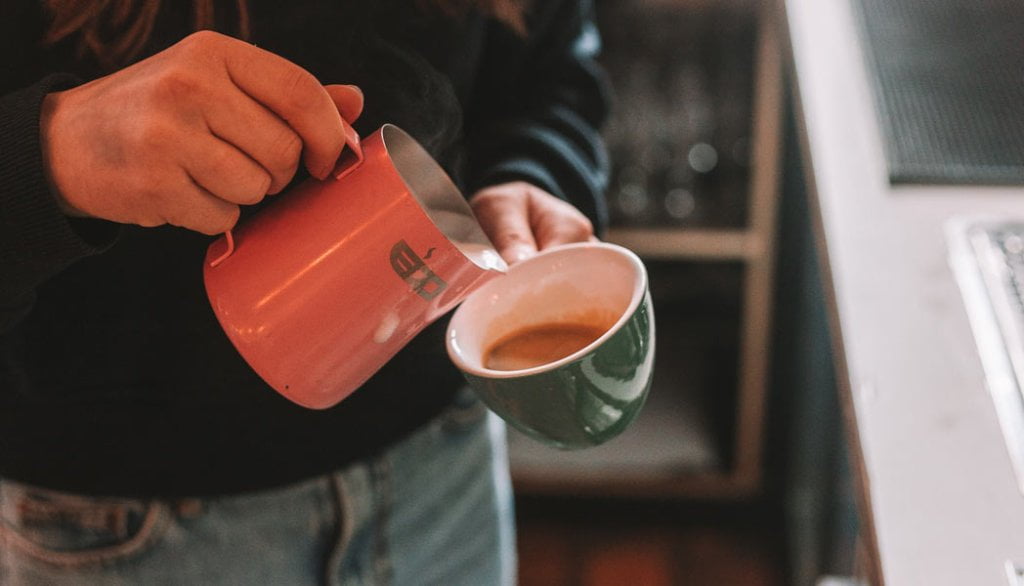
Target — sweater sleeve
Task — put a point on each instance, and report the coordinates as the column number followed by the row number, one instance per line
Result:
column 542, row 100
column 36, row 240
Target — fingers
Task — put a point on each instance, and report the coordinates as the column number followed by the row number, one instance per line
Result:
column 504, row 216
column 294, row 95
column 265, row 137
column 521, row 219
column 198, row 209
column 260, row 134
column 558, row 222
column 224, row 171
column 348, row 99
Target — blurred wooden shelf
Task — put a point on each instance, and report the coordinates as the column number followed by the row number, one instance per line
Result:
column 689, row 243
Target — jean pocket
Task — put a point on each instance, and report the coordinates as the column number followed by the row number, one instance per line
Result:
column 465, row 413
column 62, row 529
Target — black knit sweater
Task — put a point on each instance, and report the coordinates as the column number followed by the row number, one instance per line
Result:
column 114, row 375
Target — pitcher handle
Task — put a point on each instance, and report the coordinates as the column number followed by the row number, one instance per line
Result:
column 349, row 160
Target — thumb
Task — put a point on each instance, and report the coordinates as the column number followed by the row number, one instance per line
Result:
column 348, row 99
column 506, row 221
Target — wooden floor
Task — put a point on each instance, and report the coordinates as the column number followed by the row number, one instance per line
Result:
column 570, row 542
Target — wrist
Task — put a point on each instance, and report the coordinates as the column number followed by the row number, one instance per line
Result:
column 48, row 121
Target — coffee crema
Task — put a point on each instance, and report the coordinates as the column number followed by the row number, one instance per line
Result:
column 539, row 344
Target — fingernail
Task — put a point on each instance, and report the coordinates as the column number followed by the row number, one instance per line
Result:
column 354, row 87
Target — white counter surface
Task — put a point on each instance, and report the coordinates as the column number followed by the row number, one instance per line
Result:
column 941, row 502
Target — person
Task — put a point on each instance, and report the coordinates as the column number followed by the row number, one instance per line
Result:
column 136, row 446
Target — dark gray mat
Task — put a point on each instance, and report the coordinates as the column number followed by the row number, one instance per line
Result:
column 949, row 86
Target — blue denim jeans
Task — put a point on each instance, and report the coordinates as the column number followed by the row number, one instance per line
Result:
column 435, row 509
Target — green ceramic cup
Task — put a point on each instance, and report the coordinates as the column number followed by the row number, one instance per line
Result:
column 590, row 396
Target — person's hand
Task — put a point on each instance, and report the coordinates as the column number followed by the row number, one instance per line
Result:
column 522, row 219
column 189, row 134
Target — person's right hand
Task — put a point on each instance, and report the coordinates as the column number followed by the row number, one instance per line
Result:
column 187, row 135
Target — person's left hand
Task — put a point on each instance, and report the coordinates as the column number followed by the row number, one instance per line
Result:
column 522, row 219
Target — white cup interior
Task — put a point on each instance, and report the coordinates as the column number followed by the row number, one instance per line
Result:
column 589, row 283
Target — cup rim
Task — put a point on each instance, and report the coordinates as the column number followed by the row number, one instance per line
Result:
column 639, row 292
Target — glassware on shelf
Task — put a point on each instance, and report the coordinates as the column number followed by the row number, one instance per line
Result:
column 679, row 203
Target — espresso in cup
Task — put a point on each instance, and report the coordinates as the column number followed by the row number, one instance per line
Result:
column 540, row 344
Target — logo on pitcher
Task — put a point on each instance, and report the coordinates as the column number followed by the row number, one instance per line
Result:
column 411, row 268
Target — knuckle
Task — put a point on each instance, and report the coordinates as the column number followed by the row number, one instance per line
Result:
column 221, row 163
column 504, row 197
column 225, row 162
column 156, row 204
column 212, row 222
column 148, row 221
column 202, row 40
column 492, row 203
column 245, row 182
column 175, row 85
column 286, row 152
column 261, row 182
column 175, row 217
column 226, row 220
column 575, row 229
column 582, row 225
column 515, row 237
column 302, row 88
